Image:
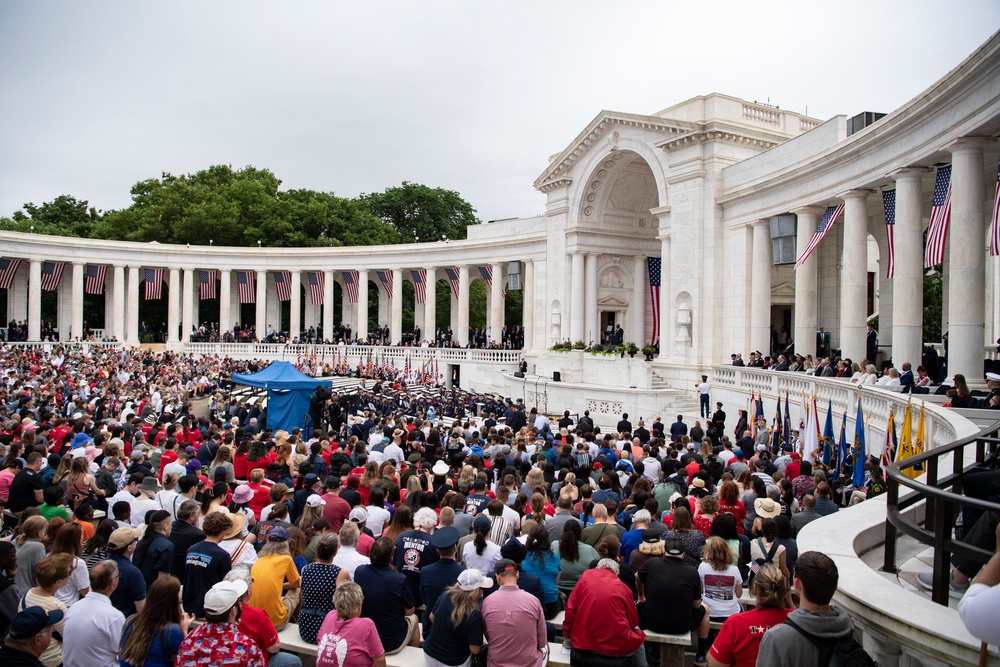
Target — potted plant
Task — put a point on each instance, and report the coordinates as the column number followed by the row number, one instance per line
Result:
column 649, row 351
column 579, row 345
column 631, row 348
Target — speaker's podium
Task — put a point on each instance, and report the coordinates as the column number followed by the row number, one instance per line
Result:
column 556, row 376
column 518, row 374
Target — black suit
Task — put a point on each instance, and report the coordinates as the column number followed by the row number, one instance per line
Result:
column 822, row 343
column 624, row 425
column 871, row 346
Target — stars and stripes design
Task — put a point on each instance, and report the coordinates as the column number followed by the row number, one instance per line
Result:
column 247, row 282
column 351, row 284
column 654, row 265
column 419, row 284
column 52, row 275
column 316, row 287
column 889, row 206
column 206, row 284
column 385, row 277
column 93, row 278
column 995, row 224
column 452, row 275
column 825, row 223
column 937, row 231
column 8, row 268
column 486, row 272
column 283, row 285
column 154, row 283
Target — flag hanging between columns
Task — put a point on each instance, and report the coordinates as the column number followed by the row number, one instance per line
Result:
column 385, row 277
column 419, row 284
column 452, row 275
column 8, row 267
column 51, row 275
column 93, row 278
column 487, row 274
column 825, row 223
column 206, row 284
column 248, row 286
column 889, row 206
column 351, row 283
column 283, row 284
column 154, row 284
column 316, row 287
column 654, row 265
column 937, row 231
column 995, row 225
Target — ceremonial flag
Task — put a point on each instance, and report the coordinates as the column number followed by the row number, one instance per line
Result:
column 154, row 283
column 937, row 231
column 247, row 281
column 995, row 225
column 751, row 412
column 905, row 449
column 385, row 277
column 889, row 206
column 283, row 285
column 93, row 278
column 51, row 275
column 809, row 443
column 654, row 265
column 351, row 283
column 825, row 223
column 452, row 275
column 841, row 453
column 315, row 279
column 918, row 443
column 860, row 455
column 419, row 284
column 828, row 441
column 786, row 431
column 8, row 267
column 759, row 412
column 776, row 433
column 206, row 284
column 891, row 445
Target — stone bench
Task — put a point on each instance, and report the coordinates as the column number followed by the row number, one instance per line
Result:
column 293, row 643
column 671, row 646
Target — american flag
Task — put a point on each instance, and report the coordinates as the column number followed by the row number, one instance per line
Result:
column 889, row 205
column 487, row 273
column 825, row 223
column 248, row 286
column 420, row 283
column 8, row 267
column 283, row 283
column 654, row 266
column 351, row 283
column 385, row 277
column 154, row 283
column 93, row 278
column 51, row 275
column 452, row 275
column 937, row 231
column 995, row 225
column 206, row 284
column 316, row 286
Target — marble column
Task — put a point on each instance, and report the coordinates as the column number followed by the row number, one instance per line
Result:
column 76, row 317
column 173, row 305
column 854, row 276
column 118, row 303
column 760, row 288
column 577, row 298
column 188, row 320
column 261, row 314
column 295, row 306
column 17, row 295
column 35, row 300
column 908, row 280
column 497, row 302
column 528, row 304
column 430, row 304
column 592, row 325
column 64, row 306
column 132, row 308
column 806, row 312
column 463, row 306
column 396, row 307
column 361, row 330
column 635, row 331
column 328, row 296
column 967, row 255
column 225, row 302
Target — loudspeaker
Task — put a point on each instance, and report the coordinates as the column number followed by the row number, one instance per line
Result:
column 556, row 376
column 518, row 374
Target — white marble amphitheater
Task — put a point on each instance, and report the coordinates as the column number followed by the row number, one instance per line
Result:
column 726, row 193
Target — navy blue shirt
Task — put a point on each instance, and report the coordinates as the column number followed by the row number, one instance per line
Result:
column 131, row 586
column 434, row 579
column 529, row 583
column 413, row 553
column 206, row 565
column 449, row 644
column 183, row 535
column 387, row 597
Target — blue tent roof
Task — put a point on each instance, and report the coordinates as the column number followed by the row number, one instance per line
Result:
column 280, row 375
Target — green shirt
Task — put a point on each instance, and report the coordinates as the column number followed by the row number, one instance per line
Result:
column 50, row 511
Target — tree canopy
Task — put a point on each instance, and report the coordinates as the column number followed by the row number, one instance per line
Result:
column 419, row 212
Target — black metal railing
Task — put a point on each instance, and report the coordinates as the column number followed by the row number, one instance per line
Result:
column 941, row 492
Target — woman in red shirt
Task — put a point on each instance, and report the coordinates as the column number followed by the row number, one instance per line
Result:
column 240, row 462
column 738, row 642
column 729, row 502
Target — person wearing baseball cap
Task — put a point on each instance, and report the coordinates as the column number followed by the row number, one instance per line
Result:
column 220, row 641
column 130, row 596
column 521, row 643
column 451, row 642
column 29, row 635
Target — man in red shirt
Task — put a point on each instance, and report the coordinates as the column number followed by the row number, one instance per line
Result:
column 601, row 617
column 337, row 510
column 256, row 625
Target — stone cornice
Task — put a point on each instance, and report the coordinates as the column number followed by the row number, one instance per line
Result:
column 725, row 132
column 555, row 185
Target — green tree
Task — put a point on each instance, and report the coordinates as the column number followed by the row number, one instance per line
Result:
column 421, row 212
column 63, row 216
column 932, row 307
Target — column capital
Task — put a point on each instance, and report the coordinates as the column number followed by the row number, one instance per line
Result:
column 856, row 193
column 969, row 145
column 759, row 224
column 809, row 209
column 909, row 173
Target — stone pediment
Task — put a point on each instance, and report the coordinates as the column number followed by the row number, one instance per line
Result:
column 611, row 302
column 783, row 293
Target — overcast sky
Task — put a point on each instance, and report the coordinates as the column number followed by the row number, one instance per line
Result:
column 470, row 96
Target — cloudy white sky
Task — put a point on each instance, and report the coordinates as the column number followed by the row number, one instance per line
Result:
column 354, row 97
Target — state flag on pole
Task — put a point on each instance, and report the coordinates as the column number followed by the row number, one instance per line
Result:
column 452, row 275
column 810, row 442
column 995, row 224
column 891, row 445
column 206, row 284
column 860, row 455
column 283, row 285
column 419, row 284
column 385, row 277
column 93, row 278
column 247, row 281
column 51, row 275
column 937, row 231
column 825, row 223
column 316, row 287
column 8, row 268
column 154, row 284
column 351, row 283
column 889, row 206
column 654, row 265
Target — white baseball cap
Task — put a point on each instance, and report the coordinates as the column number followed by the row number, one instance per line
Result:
column 470, row 580
column 315, row 501
column 221, row 597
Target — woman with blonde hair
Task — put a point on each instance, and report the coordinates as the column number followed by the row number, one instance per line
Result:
column 360, row 634
column 738, row 642
column 568, row 487
column 80, row 484
column 722, row 583
column 456, row 629
column 69, row 540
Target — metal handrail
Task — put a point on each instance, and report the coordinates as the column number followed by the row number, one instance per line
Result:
column 943, row 499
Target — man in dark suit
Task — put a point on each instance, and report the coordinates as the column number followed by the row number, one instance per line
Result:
column 871, row 344
column 822, row 343
column 624, row 426
column 906, row 377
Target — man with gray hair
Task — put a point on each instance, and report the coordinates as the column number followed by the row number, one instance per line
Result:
column 633, row 538
column 347, row 557
column 93, row 627
column 255, row 624
column 601, row 620
column 184, row 533
column 414, row 551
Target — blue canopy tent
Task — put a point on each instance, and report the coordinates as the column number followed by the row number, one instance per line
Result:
column 288, row 394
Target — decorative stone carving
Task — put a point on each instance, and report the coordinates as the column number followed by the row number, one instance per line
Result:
column 598, row 406
column 613, row 141
column 612, row 279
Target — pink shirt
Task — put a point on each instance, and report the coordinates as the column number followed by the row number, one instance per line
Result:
column 351, row 643
column 510, row 617
column 5, row 478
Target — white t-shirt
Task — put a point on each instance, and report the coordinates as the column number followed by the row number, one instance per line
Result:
column 79, row 579
column 485, row 562
column 140, row 506
column 377, row 518
column 720, row 590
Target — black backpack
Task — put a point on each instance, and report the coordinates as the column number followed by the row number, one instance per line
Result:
column 837, row 652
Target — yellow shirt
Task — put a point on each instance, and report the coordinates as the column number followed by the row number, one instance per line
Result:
column 269, row 575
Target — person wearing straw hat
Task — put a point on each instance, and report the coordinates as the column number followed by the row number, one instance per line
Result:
column 240, row 549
